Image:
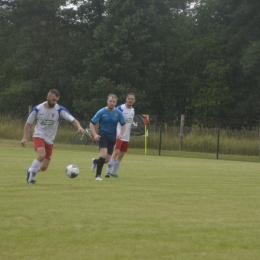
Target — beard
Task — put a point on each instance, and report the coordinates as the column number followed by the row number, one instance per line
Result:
column 50, row 104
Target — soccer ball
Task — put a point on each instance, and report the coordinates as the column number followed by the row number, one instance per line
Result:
column 72, row 171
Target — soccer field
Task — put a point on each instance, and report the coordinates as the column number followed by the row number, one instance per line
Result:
column 160, row 208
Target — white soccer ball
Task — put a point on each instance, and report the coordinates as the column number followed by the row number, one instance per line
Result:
column 72, row 171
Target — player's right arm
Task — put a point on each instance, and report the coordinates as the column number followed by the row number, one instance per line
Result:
column 26, row 130
column 31, row 118
column 94, row 132
column 92, row 127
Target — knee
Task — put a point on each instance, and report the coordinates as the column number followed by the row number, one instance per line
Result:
column 40, row 157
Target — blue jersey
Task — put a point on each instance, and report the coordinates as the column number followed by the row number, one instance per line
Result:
column 108, row 122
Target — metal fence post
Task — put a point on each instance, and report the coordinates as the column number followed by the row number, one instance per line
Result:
column 181, row 131
column 160, row 142
column 218, row 143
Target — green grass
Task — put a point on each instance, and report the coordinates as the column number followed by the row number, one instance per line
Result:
column 161, row 208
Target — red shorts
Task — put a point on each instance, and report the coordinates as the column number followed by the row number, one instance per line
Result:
column 39, row 142
column 121, row 145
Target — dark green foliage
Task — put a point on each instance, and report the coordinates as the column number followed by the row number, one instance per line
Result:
column 202, row 62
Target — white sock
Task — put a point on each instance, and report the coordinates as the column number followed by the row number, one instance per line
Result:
column 116, row 166
column 34, row 169
column 110, row 165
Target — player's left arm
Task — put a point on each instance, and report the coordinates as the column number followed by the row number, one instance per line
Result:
column 76, row 123
column 67, row 116
column 133, row 125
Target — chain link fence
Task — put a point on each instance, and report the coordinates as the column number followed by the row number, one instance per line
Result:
column 239, row 139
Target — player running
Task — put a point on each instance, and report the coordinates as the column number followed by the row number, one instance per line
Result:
column 47, row 116
column 122, row 144
column 108, row 118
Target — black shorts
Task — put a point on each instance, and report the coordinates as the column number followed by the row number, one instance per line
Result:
column 106, row 143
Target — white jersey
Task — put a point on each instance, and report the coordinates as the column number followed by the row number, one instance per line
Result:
column 128, row 114
column 47, row 121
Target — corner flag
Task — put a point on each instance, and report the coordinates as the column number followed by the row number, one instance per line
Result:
column 146, row 120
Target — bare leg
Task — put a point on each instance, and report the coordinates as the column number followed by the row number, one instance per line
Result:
column 39, row 164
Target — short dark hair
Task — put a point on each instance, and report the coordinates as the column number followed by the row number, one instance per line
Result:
column 55, row 92
column 130, row 94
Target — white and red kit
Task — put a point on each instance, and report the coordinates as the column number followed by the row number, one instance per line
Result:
column 47, row 121
column 128, row 114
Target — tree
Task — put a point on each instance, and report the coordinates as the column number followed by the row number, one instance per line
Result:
column 131, row 49
column 43, row 49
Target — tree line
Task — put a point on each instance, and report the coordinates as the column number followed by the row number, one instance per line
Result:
column 198, row 58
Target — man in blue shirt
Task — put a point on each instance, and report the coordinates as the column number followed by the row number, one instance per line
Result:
column 108, row 118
